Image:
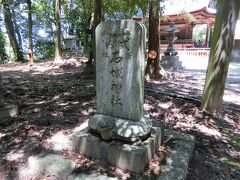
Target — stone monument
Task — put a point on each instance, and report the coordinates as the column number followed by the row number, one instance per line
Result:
column 120, row 84
column 170, row 58
column 120, row 130
column 6, row 110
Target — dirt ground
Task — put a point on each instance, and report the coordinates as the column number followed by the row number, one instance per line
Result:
column 56, row 98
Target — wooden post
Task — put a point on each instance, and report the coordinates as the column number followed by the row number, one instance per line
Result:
column 30, row 56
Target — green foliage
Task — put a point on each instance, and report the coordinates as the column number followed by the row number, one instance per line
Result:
column 77, row 15
column 199, row 32
column 81, row 15
column 231, row 161
column 44, row 12
column 118, row 9
column 44, row 48
column 188, row 16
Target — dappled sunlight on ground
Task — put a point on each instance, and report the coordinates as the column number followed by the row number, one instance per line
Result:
column 190, row 80
column 50, row 103
column 81, row 126
column 60, row 141
column 209, row 131
column 14, row 156
column 55, row 101
column 214, row 134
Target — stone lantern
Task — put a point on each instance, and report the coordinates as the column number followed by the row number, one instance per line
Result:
column 170, row 58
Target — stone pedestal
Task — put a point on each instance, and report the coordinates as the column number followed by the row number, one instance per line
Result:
column 133, row 157
column 8, row 110
column 120, row 56
column 168, row 62
column 120, row 121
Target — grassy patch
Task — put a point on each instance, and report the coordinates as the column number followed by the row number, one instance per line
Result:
column 235, row 142
column 231, row 161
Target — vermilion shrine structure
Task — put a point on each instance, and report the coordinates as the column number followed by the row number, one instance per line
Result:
column 186, row 22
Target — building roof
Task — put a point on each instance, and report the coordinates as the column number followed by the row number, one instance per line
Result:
column 189, row 11
column 200, row 16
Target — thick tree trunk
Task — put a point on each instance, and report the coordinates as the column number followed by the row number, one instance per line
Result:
column 58, row 51
column 1, row 93
column 10, row 31
column 220, row 55
column 97, row 19
column 153, row 69
column 16, row 28
column 30, row 24
column 3, row 54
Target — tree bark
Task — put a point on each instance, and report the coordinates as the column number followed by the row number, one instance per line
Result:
column 220, row 55
column 58, row 51
column 16, row 29
column 3, row 54
column 30, row 24
column 10, row 31
column 96, row 20
column 153, row 69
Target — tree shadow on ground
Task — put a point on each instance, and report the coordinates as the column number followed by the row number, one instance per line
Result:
column 217, row 138
column 50, row 98
column 56, row 98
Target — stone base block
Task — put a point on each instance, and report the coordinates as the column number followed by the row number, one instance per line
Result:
column 171, row 62
column 8, row 110
column 134, row 157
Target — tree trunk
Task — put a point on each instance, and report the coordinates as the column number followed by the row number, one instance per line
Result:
column 1, row 93
column 10, row 31
column 30, row 23
column 97, row 19
column 58, row 51
column 16, row 29
column 3, row 54
column 220, row 55
column 153, row 69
